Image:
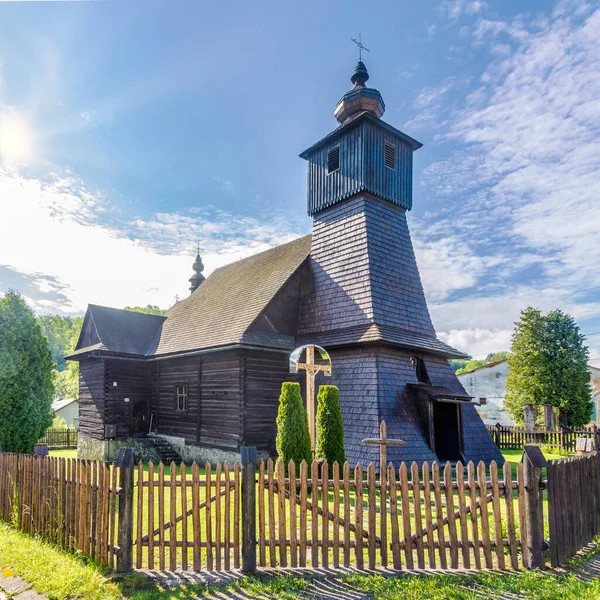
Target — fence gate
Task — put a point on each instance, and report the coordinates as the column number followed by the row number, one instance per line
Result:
column 188, row 515
column 412, row 517
column 573, row 505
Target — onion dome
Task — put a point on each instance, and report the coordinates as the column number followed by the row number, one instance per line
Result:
column 197, row 278
column 360, row 98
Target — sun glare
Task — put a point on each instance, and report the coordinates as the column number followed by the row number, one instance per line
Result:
column 15, row 138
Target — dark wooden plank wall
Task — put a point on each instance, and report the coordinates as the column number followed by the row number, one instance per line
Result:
column 133, row 381
column 221, row 406
column 264, row 372
column 91, row 397
column 174, row 372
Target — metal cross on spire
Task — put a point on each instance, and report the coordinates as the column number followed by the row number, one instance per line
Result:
column 360, row 45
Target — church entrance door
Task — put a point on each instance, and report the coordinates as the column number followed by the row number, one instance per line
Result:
column 446, row 422
column 139, row 417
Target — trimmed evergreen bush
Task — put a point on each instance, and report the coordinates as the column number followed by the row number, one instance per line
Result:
column 293, row 438
column 330, row 427
column 26, row 388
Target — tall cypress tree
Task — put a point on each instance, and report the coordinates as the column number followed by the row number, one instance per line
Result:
column 293, row 437
column 26, row 388
column 330, row 427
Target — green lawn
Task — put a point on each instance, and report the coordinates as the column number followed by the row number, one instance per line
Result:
column 61, row 575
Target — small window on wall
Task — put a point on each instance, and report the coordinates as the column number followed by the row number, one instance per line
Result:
column 181, row 397
column 333, row 160
column 390, row 156
column 420, row 370
column 482, row 401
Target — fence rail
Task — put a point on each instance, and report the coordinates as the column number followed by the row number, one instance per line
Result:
column 565, row 438
column 60, row 438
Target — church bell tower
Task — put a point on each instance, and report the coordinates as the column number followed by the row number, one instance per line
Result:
column 365, row 303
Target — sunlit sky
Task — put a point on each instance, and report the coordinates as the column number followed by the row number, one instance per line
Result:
column 130, row 131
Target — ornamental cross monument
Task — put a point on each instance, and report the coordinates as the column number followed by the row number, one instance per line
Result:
column 312, row 369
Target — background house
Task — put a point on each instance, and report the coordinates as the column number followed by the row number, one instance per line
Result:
column 487, row 385
column 68, row 409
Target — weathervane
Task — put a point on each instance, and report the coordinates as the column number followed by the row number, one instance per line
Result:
column 360, row 46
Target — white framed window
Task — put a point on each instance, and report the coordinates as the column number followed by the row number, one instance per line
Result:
column 181, row 396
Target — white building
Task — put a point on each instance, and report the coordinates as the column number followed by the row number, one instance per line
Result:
column 487, row 385
column 68, row 409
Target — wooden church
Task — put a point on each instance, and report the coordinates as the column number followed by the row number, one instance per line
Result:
column 207, row 377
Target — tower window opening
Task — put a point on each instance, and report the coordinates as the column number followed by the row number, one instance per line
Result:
column 390, row 156
column 420, row 370
column 333, row 160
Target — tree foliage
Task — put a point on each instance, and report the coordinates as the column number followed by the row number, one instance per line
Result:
column 149, row 309
column 60, row 331
column 293, row 438
column 465, row 365
column 26, row 388
column 330, row 427
column 548, row 365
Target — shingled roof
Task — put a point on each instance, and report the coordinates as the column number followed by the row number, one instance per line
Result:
column 121, row 331
column 221, row 310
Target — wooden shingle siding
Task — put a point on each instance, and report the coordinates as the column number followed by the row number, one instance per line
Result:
column 362, row 169
column 341, row 295
column 355, row 374
column 398, row 297
column 364, row 271
column 91, row 398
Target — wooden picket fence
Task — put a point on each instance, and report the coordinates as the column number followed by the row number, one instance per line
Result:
column 507, row 437
column 573, row 505
column 70, row 502
column 60, row 438
column 189, row 516
column 409, row 518
column 219, row 518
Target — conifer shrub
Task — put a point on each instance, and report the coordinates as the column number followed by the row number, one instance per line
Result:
column 330, row 427
column 293, row 438
column 26, row 387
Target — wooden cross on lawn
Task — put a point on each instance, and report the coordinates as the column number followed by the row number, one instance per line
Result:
column 312, row 369
column 383, row 442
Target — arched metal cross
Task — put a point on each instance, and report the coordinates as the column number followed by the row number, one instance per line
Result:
column 312, row 369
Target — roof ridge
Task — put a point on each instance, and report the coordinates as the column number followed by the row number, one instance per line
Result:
column 271, row 249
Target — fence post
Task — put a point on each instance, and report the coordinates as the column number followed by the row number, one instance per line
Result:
column 533, row 551
column 248, row 508
column 125, row 462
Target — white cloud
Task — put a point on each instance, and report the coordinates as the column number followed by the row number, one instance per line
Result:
column 521, row 182
column 454, row 9
column 56, row 244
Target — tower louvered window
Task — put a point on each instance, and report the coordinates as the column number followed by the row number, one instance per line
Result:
column 390, row 156
column 333, row 159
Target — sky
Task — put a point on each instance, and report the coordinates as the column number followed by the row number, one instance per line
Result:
column 131, row 131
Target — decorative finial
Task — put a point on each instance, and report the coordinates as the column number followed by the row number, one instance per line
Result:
column 197, row 278
column 360, row 46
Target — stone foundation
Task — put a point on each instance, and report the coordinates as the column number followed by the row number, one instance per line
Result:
column 92, row 449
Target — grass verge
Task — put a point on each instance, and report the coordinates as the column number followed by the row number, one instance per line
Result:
column 61, row 575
